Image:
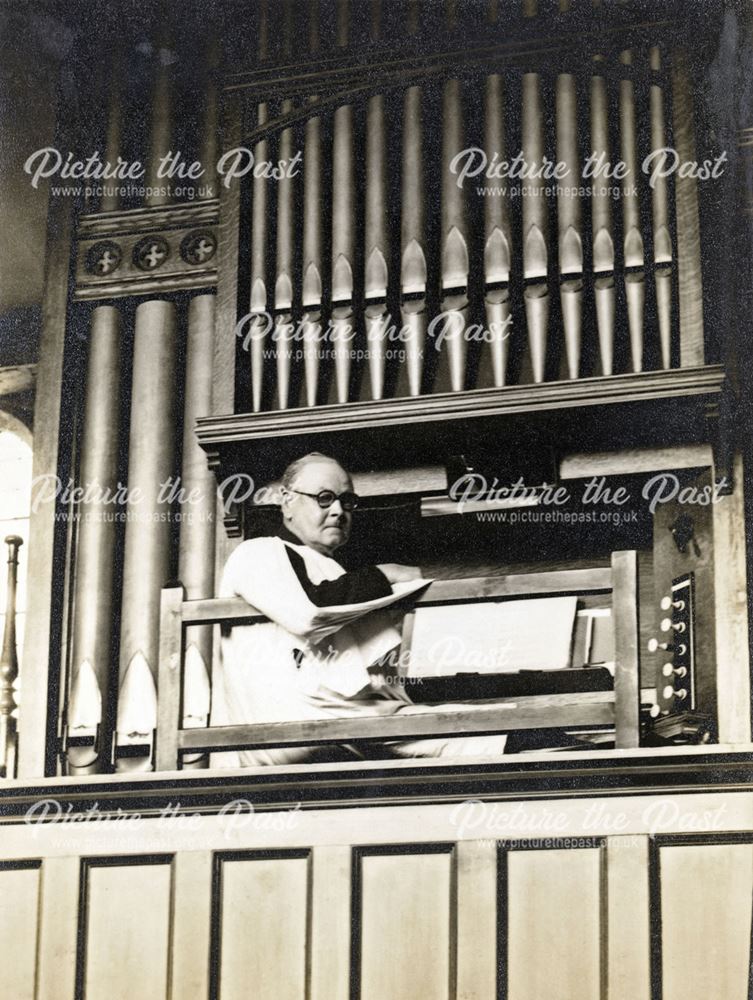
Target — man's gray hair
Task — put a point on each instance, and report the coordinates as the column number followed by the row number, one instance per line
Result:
column 289, row 475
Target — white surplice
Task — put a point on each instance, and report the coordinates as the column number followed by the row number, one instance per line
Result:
column 308, row 662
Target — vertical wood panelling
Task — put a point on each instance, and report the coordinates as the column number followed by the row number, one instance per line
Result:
column 628, row 931
column 626, row 637
column 263, row 928
column 731, row 614
column 706, row 895
column 51, row 434
column 476, row 967
column 192, row 913
column 19, row 901
column 125, row 951
column 330, row 923
column 554, row 924
column 58, row 926
column 405, row 926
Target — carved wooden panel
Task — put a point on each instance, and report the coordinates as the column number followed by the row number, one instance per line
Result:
column 147, row 250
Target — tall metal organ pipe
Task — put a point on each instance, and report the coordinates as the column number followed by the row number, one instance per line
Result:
column 91, row 639
column 148, row 532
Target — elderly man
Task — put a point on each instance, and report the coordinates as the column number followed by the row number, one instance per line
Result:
column 326, row 629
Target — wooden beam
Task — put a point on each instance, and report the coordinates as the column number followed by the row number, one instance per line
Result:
column 37, row 714
column 627, row 923
column 626, row 673
column 476, row 893
column 466, row 590
column 731, row 610
column 192, row 914
column 330, row 927
column 593, row 708
column 17, row 378
column 58, row 928
column 576, row 394
column 169, row 679
column 634, row 460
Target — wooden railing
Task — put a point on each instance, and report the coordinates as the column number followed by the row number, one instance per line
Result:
column 618, row 708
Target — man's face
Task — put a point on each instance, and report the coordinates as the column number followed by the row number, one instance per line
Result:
column 322, row 530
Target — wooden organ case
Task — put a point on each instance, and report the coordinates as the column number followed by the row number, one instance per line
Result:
column 433, row 320
column 354, row 273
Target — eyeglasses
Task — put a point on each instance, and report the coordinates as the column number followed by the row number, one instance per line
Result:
column 325, row 498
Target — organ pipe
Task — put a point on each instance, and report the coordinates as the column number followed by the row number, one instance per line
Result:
column 197, row 525
column 569, row 221
column 284, row 281
column 660, row 216
column 601, row 216
column 413, row 236
column 377, row 241
column 312, row 255
column 343, row 236
column 633, row 240
column 535, row 253
column 146, row 562
column 95, row 554
column 258, row 304
column 497, row 236
column 454, row 237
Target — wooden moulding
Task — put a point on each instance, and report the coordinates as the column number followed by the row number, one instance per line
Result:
column 644, row 387
column 589, row 708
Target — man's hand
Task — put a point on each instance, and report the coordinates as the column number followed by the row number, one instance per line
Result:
column 396, row 573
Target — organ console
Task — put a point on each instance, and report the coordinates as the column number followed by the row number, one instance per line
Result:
column 397, row 311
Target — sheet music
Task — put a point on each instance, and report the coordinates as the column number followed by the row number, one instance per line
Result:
column 493, row 637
